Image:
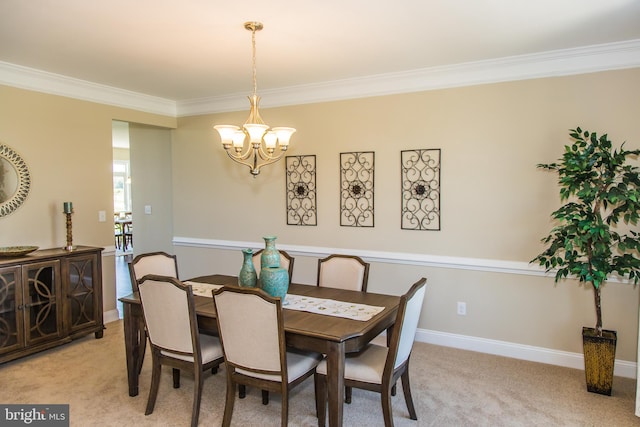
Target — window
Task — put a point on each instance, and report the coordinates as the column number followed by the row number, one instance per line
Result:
column 121, row 186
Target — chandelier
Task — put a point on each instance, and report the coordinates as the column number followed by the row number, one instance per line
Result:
column 262, row 140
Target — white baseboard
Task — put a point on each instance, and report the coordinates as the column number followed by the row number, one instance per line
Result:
column 110, row 316
column 567, row 359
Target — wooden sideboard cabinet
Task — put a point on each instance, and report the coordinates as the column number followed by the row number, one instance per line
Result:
column 48, row 298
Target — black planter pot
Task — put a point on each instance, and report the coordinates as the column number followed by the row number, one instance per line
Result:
column 599, row 359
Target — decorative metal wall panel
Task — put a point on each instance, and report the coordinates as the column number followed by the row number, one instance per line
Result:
column 420, row 189
column 356, row 189
column 301, row 190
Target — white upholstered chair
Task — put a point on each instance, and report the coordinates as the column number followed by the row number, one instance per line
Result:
column 286, row 261
column 172, row 327
column 161, row 264
column 250, row 324
column 343, row 272
column 377, row 368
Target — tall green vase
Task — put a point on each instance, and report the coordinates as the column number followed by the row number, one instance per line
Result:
column 247, row 277
column 270, row 256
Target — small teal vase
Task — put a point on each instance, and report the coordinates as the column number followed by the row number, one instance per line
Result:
column 247, row 277
column 275, row 281
column 270, row 256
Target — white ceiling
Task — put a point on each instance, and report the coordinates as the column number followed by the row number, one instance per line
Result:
column 195, row 49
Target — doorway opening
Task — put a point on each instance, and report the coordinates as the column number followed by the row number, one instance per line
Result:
column 122, row 207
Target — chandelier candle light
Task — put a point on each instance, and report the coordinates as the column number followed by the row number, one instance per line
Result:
column 262, row 140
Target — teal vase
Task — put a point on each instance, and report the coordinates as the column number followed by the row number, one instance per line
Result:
column 270, row 256
column 247, row 277
column 275, row 281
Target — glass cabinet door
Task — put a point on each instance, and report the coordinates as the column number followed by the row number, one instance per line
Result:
column 43, row 310
column 11, row 333
column 82, row 300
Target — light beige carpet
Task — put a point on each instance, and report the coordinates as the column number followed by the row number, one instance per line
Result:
column 450, row 388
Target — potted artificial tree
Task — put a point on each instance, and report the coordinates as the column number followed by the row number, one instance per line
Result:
column 594, row 238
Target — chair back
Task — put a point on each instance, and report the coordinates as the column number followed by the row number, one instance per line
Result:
column 286, row 262
column 344, row 272
column 404, row 332
column 251, row 330
column 158, row 263
column 169, row 314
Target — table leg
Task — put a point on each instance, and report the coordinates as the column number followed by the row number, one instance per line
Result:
column 335, row 382
column 132, row 347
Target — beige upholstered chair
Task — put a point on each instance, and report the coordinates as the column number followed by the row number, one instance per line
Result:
column 377, row 368
column 286, row 261
column 343, row 272
column 161, row 264
column 249, row 319
column 172, row 326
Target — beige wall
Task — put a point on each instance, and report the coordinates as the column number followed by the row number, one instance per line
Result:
column 68, row 148
column 151, row 186
column 495, row 203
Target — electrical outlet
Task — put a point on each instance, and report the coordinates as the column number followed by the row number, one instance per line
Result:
column 462, row 308
column 102, row 216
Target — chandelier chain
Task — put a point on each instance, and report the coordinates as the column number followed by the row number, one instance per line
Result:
column 253, row 59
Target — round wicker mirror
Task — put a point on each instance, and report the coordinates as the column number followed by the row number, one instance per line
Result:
column 15, row 180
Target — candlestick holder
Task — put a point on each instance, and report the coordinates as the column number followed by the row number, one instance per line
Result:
column 69, row 246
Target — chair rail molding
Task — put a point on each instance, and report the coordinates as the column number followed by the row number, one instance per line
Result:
column 408, row 258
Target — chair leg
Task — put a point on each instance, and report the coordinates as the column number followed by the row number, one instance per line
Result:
column 347, row 394
column 285, row 407
column 197, row 396
column 143, row 345
column 387, row 413
column 228, row 404
column 265, row 397
column 406, row 388
column 393, row 390
column 214, row 370
column 176, row 378
column 320, row 382
column 242, row 391
column 155, row 385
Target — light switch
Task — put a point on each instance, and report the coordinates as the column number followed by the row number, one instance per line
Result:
column 102, row 216
column 147, row 209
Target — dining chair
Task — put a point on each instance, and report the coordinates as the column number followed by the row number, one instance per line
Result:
column 286, row 261
column 343, row 272
column 377, row 368
column 161, row 264
column 249, row 319
column 172, row 326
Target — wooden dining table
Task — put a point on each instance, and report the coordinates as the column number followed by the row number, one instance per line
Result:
column 333, row 336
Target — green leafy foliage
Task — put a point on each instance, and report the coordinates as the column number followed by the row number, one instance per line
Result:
column 601, row 190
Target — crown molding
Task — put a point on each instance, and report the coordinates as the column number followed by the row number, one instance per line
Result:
column 556, row 63
column 590, row 59
column 57, row 84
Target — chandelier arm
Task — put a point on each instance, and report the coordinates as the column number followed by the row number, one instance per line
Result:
column 271, row 159
column 241, row 161
column 242, row 156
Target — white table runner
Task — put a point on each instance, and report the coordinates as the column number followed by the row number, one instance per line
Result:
column 324, row 306
column 203, row 289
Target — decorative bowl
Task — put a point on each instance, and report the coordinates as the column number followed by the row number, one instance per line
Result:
column 8, row 251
